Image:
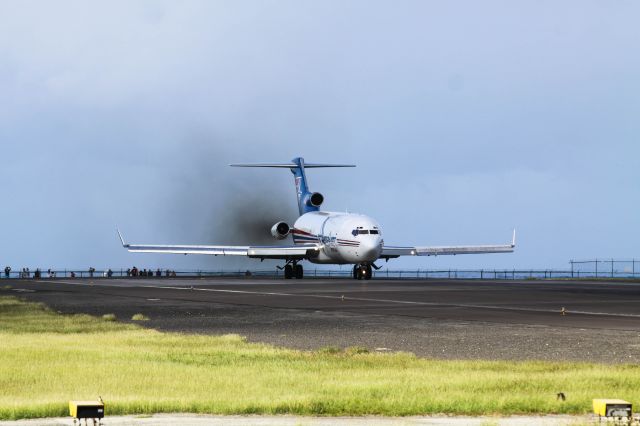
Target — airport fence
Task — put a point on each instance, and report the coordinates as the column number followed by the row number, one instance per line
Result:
column 605, row 267
column 585, row 269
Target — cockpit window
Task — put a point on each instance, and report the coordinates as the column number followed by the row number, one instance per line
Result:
column 360, row 231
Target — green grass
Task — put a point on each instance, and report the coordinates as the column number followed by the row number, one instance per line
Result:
column 139, row 317
column 46, row 359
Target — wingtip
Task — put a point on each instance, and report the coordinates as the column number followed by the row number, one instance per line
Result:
column 513, row 238
column 120, row 236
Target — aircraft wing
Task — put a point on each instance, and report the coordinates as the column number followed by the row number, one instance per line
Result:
column 300, row 251
column 389, row 252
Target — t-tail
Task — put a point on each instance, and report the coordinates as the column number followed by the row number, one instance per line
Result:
column 307, row 201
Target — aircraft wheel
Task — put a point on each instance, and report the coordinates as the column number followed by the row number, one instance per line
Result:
column 299, row 272
column 288, row 272
column 362, row 273
column 368, row 272
column 355, row 272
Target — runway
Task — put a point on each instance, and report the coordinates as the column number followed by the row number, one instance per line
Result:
column 450, row 319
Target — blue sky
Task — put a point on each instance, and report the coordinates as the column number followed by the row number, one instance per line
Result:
column 465, row 119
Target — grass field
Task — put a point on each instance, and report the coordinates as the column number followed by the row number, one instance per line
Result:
column 47, row 359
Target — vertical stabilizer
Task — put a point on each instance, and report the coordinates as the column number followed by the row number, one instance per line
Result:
column 302, row 188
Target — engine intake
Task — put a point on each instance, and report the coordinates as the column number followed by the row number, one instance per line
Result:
column 316, row 199
column 280, row 230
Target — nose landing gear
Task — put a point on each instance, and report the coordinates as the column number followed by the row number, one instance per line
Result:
column 293, row 270
column 362, row 272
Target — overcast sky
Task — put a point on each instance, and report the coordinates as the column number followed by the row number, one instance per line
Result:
column 465, row 119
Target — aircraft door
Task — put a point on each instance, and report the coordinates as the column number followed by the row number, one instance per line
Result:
column 333, row 240
column 329, row 240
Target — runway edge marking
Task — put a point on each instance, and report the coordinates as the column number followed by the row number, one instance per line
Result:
column 402, row 302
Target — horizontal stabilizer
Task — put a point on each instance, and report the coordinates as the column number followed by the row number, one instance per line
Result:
column 292, row 165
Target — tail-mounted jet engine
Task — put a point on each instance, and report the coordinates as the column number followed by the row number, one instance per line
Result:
column 280, row 230
column 315, row 200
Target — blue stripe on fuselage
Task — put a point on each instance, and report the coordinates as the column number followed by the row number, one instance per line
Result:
column 302, row 189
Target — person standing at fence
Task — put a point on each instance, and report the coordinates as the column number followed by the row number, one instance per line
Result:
column 7, row 271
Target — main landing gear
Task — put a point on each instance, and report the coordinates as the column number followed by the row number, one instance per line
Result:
column 362, row 272
column 293, row 270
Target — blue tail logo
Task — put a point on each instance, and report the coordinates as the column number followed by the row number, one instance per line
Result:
column 305, row 202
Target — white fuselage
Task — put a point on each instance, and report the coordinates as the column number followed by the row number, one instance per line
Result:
column 346, row 237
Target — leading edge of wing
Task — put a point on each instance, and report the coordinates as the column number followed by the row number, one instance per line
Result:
column 188, row 249
column 298, row 251
column 393, row 252
column 260, row 252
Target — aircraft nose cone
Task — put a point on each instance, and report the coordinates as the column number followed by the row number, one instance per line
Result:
column 370, row 250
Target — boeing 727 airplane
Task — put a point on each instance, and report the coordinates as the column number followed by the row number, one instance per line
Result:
column 321, row 237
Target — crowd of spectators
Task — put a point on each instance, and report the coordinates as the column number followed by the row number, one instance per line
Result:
column 135, row 272
column 26, row 273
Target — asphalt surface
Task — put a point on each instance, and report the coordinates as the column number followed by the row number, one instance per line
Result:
column 447, row 319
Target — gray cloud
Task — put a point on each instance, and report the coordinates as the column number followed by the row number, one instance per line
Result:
column 464, row 118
